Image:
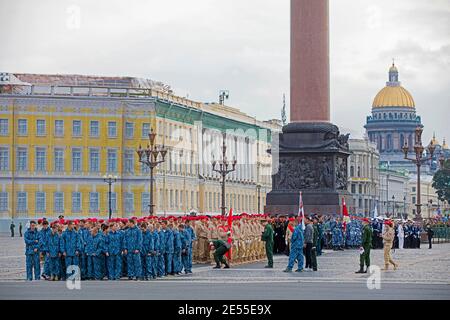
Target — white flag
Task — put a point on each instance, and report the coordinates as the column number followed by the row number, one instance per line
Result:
column 301, row 212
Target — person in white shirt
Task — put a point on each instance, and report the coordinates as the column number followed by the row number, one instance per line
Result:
column 401, row 235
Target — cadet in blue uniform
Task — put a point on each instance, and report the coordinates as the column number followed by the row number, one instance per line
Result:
column 168, row 253
column 114, row 252
column 192, row 238
column 186, row 248
column 296, row 252
column 177, row 266
column 84, row 233
column 44, row 235
column 156, row 250
column 102, row 256
column 70, row 245
column 146, row 252
column 89, row 250
column 132, row 248
column 96, row 253
column 162, row 251
column 319, row 237
column 54, row 253
column 31, row 238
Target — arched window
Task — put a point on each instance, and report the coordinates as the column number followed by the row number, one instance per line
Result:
column 384, row 115
column 389, row 142
column 352, row 171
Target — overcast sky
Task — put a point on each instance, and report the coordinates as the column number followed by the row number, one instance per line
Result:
column 202, row 46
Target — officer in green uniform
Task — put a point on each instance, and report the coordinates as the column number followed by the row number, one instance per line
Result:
column 220, row 247
column 267, row 237
column 366, row 244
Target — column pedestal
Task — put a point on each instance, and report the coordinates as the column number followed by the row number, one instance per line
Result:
column 312, row 158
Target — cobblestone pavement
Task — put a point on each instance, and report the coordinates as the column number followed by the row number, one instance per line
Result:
column 416, row 266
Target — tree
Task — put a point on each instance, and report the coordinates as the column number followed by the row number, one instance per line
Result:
column 441, row 182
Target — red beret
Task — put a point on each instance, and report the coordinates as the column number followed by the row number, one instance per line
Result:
column 365, row 219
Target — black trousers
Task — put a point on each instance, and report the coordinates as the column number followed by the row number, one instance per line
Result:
column 308, row 248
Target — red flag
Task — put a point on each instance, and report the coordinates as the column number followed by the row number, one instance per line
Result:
column 230, row 240
column 346, row 217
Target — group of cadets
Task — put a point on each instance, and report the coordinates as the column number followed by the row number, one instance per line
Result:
column 154, row 247
column 143, row 249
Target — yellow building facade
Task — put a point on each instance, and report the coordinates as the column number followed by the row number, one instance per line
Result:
column 55, row 149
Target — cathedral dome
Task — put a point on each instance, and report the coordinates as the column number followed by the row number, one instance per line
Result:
column 393, row 95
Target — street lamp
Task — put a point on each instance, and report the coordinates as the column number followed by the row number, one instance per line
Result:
column 224, row 168
column 151, row 157
column 393, row 206
column 404, row 207
column 418, row 161
column 258, row 188
column 183, row 172
column 109, row 179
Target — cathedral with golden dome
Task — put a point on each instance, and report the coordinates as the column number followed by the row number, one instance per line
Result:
column 393, row 122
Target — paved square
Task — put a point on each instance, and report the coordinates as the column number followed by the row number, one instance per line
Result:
column 423, row 274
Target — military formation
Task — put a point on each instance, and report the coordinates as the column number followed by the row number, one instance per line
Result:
column 140, row 249
column 155, row 247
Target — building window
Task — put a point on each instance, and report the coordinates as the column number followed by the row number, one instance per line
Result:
column 59, row 128
column 352, row 171
column 22, row 202
column 129, row 202
column 23, row 127
column 76, row 160
column 22, row 159
column 41, row 159
column 93, row 202
column 76, row 128
column 129, row 161
column 94, row 160
column 59, row 202
column 145, row 130
column 413, row 189
column 145, row 203
column 114, row 201
column 59, row 160
column 129, row 130
column 359, row 172
column 94, row 129
column 144, row 168
column 413, row 200
column 3, row 201
column 112, row 129
column 112, row 160
column 76, row 202
column 360, row 189
column 40, row 127
column 4, row 158
column 40, row 202
column 4, row 127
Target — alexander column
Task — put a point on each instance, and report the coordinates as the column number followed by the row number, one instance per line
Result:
column 310, row 155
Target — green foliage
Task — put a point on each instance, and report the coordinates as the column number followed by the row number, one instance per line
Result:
column 441, row 182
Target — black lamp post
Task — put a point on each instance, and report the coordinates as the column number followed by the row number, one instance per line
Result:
column 109, row 179
column 393, row 206
column 224, row 168
column 258, row 188
column 151, row 157
column 418, row 161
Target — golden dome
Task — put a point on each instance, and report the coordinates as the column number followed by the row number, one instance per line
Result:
column 393, row 96
column 434, row 141
column 444, row 145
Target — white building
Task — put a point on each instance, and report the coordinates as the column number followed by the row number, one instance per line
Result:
column 363, row 179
